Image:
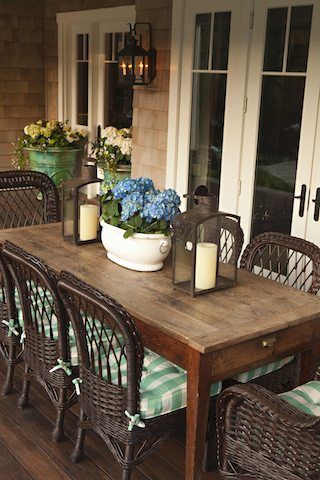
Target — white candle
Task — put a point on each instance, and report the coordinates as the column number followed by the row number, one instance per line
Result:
column 206, row 265
column 88, row 222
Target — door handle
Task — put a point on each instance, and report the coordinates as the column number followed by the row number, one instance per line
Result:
column 316, row 202
column 302, row 197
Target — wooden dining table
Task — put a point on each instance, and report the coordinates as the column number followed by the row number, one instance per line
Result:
column 213, row 336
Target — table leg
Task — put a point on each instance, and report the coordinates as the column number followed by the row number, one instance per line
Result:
column 308, row 362
column 199, row 375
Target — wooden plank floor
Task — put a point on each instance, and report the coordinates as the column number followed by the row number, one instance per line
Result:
column 27, row 451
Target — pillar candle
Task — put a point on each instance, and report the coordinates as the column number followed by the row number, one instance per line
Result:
column 206, row 265
column 88, row 222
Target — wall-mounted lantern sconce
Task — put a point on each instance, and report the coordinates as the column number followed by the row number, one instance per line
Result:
column 137, row 66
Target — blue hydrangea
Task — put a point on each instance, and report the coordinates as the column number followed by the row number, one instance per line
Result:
column 131, row 205
column 161, row 206
column 130, row 185
column 138, row 196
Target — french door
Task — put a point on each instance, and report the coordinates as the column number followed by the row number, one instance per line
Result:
column 249, row 111
column 214, row 62
column 279, row 165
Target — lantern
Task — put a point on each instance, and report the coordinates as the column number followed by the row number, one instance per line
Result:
column 197, row 241
column 81, row 208
column 136, row 65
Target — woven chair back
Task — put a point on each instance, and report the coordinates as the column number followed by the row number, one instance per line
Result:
column 42, row 310
column 231, row 241
column 7, row 289
column 27, row 198
column 109, row 348
column 284, row 259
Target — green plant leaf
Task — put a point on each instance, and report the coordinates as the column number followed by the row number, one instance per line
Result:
column 114, row 221
column 128, row 233
column 135, row 221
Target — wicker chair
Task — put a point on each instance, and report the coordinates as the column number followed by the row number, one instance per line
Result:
column 46, row 350
column 113, row 368
column 291, row 261
column 26, row 198
column 262, row 436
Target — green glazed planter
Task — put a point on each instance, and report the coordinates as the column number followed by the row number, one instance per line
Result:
column 58, row 163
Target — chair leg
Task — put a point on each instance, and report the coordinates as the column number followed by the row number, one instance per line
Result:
column 58, row 433
column 78, row 450
column 24, row 397
column 8, row 384
column 126, row 472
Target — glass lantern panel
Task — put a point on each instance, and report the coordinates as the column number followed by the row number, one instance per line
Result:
column 184, row 253
column 139, row 68
column 89, row 212
column 68, row 213
column 207, row 253
column 216, row 253
column 125, row 69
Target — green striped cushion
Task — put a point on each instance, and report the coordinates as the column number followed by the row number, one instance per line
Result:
column 264, row 370
column 163, row 387
column 305, row 398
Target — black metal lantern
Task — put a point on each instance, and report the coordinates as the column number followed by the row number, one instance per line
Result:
column 198, row 234
column 137, row 66
column 81, row 207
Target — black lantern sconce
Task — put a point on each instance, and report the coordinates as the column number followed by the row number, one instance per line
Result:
column 198, row 234
column 137, row 66
column 81, row 207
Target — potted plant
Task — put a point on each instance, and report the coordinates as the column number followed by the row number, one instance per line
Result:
column 52, row 148
column 112, row 152
column 136, row 223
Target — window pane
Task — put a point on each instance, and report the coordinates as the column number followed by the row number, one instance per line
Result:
column 275, row 39
column 299, row 39
column 82, row 93
column 118, row 44
column 221, row 36
column 202, row 40
column 80, row 47
column 277, row 153
column 108, row 46
column 209, row 91
column 118, row 99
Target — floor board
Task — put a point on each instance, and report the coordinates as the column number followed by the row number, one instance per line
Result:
column 27, row 451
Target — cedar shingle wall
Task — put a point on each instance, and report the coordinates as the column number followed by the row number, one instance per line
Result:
column 150, row 116
column 22, row 98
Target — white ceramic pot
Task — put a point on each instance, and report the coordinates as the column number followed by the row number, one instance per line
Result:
column 142, row 252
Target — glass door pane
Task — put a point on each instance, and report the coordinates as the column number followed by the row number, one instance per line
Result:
column 209, row 83
column 117, row 98
column 281, row 107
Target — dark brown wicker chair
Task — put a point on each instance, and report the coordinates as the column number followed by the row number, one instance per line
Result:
column 111, row 362
column 10, row 347
column 263, row 437
column 46, row 344
column 26, row 198
column 291, row 261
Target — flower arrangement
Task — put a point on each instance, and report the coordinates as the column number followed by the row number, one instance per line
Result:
column 135, row 206
column 113, row 148
column 43, row 135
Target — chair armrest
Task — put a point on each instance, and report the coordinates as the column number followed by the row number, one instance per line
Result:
column 266, row 401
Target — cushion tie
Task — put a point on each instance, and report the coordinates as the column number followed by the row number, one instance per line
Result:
column 22, row 338
column 11, row 324
column 134, row 421
column 65, row 366
column 76, row 382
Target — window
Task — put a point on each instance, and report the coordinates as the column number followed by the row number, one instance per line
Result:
column 89, row 93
